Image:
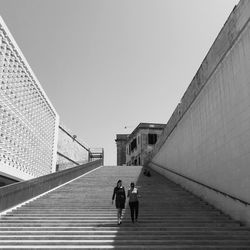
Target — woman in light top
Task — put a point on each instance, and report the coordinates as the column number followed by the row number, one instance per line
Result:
column 120, row 197
column 133, row 202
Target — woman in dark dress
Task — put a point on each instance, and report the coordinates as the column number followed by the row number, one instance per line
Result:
column 120, row 197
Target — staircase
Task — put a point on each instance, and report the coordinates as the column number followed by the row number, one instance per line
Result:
column 79, row 215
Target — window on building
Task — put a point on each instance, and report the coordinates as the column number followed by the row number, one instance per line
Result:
column 152, row 139
column 129, row 149
column 133, row 144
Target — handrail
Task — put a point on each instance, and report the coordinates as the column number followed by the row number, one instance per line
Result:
column 96, row 153
column 87, row 149
column 64, row 156
column 202, row 184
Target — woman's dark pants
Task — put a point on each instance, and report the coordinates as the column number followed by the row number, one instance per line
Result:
column 134, row 209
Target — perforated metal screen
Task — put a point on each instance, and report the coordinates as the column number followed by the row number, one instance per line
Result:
column 28, row 121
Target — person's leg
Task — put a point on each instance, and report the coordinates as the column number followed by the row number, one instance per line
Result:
column 131, row 211
column 136, row 210
column 118, row 215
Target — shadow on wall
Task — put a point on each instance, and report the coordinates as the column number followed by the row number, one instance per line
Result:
column 4, row 181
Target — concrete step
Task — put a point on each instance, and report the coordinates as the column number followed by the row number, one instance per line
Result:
column 242, row 238
column 79, row 215
column 106, row 217
column 131, row 233
column 145, row 242
column 128, row 227
column 110, row 217
column 131, row 247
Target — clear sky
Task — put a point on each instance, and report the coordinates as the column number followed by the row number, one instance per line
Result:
column 110, row 64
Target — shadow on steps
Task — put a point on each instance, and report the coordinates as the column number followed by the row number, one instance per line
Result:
column 170, row 216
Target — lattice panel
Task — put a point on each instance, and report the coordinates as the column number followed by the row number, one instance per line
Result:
column 27, row 121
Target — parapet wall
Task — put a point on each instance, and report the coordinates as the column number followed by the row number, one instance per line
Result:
column 207, row 138
column 17, row 193
column 70, row 150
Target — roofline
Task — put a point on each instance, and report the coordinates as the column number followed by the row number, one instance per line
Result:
column 124, row 137
column 145, row 125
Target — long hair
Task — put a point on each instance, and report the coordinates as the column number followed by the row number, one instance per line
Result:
column 119, row 181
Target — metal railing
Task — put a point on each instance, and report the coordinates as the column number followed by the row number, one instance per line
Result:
column 96, row 153
column 74, row 138
column 67, row 158
column 93, row 153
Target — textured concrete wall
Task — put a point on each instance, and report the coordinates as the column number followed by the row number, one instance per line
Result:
column 208, row 136
column 71, row 148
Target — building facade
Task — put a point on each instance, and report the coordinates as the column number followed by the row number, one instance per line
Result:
column 141, row 141
column 29, row 123
column 71, row 151
column 121, row 141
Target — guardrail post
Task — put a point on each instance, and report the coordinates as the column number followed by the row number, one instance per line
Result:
column 103, row 156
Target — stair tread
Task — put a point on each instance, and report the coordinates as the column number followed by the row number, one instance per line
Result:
column 79, row 215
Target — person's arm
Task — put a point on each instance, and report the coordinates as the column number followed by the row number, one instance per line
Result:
column 113, row 196
column 124, row 194
column 138, row 195
column 128, row 193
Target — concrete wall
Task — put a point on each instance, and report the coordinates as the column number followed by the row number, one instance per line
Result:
column 71, row 151
column 208, row 136
column 17, row 193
